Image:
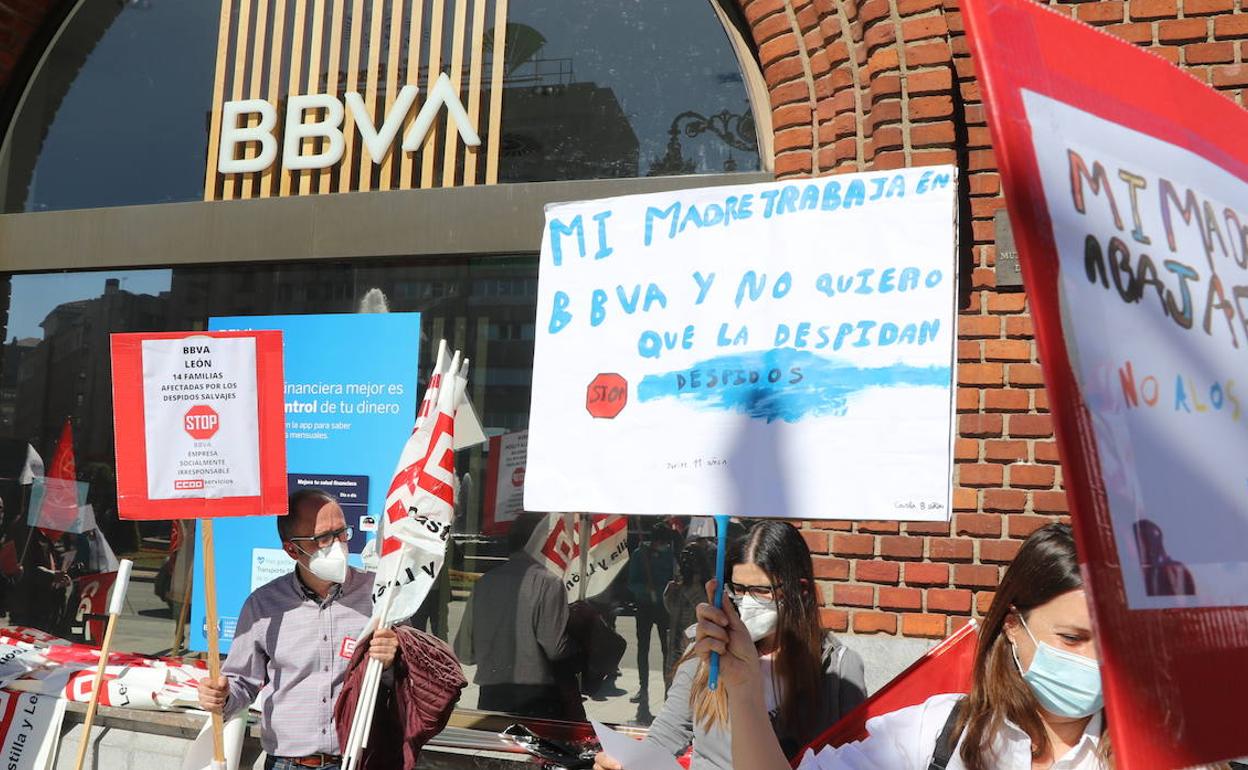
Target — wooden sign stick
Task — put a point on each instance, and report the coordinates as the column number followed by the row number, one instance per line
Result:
column 114, row 609
column 214, row 651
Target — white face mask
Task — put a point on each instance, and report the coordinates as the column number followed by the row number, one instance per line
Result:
column 760, row 617
column 330, row 563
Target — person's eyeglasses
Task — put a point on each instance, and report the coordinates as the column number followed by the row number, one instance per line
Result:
column 763, row 593
column 325, row 539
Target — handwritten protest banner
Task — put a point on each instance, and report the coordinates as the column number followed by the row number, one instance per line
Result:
column 781, row 349
column 1127, row 181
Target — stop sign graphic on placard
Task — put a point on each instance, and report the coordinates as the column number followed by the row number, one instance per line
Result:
column 201, row 422
column 607, row 396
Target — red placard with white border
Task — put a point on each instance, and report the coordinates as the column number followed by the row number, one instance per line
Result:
column 200, row 424
column 1127, row 181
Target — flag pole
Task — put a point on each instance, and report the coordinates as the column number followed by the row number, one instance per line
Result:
column 214, row 652
column 721, row 554
column 114, row 609
column 586, row 526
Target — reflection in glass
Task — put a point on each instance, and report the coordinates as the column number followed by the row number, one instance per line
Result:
column 56, row 368
column 118, row 113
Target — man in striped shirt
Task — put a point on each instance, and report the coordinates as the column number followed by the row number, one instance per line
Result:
column 295, row 637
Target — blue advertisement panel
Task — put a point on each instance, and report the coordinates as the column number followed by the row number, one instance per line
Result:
column 350, row 405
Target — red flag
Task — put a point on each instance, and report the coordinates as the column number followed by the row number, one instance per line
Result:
column 59, row 511
column 93, row 600
column 945, row 668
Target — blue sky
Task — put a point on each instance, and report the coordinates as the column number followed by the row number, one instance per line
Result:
column 34, row 296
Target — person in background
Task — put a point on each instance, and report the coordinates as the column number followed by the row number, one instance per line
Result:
column 681, row 599
column 515, row 629
column 295, row 637
column 650, row 568
column 807, row 680
column 1035, row 699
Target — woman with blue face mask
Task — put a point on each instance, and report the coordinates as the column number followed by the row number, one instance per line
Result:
column 807, row 678
column 1035, row 700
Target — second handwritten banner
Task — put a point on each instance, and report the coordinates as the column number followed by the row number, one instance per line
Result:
column 782, row 349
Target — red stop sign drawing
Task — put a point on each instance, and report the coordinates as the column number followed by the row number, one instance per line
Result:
column 201, row 422
column 607, row 396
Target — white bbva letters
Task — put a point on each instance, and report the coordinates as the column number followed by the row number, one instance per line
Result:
column 330, row 127
column 377, row 141
column 233, row 135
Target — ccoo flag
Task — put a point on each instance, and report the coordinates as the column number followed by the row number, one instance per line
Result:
column 420, row 503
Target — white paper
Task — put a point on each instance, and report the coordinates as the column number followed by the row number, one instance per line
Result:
column 828, row 311
column 631, row 754
column 1167, row 399
column 218, row 374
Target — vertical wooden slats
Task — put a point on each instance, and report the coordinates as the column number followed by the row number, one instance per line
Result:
column 435, row 68
column 496, row 92
column 218, row 99
column 392, row 85
column 315, row 47
column 352, row 83
column 250, row 187
column 295, row 81
column 414, row 39
column 331, row 85
column 474, row 88
column 276, row 43
column 370, row 89
column 274, row 49
column 457, row 78
column 240, row 75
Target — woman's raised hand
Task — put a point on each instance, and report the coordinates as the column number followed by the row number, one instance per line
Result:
column 721, row 630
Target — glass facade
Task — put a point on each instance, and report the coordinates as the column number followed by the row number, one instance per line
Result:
column 118, row 114
column 57, row 369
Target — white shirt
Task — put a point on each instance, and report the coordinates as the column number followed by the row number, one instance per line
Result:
column 771, row 685
column 906, row 740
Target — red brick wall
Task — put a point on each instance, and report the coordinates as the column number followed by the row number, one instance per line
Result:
column 886, row 83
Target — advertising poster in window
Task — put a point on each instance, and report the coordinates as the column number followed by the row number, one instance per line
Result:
column 198, row 424
column 350, row 404
column 780, row 350
column 1135, row 255
column 504, row 481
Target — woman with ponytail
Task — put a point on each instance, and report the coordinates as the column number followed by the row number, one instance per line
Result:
column 806, row 679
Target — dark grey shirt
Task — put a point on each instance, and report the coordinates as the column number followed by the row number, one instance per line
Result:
column 515, row 624
column 673, row 728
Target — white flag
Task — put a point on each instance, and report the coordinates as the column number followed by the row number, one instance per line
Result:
column 420, row 504
column 32, row 468
column 556, row 545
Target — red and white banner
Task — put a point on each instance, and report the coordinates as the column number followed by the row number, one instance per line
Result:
column 35, row 662
column 420, row 504
column 200, row 424
column 504, row 482
column 1127, row 181
column 30, row 730
column 93, row 600
column 556, row 545
column 946, row 668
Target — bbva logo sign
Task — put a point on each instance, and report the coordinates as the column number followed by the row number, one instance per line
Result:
column 378, row 140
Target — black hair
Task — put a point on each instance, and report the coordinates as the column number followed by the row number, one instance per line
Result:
column 285, row 524
column 522, row 529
